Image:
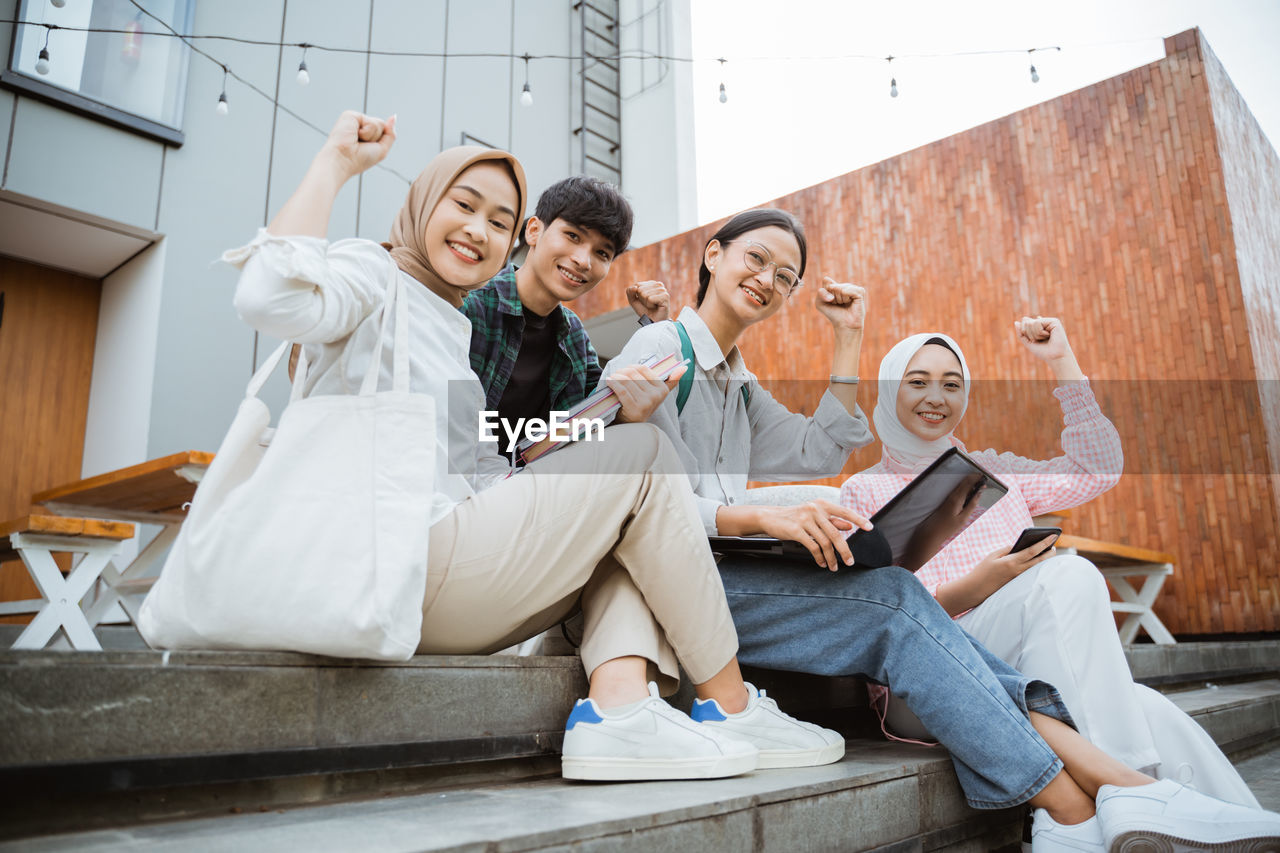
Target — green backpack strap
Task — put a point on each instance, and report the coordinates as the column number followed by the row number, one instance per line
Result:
column 686, row 381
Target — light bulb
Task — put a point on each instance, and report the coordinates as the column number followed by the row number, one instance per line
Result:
column 303, row 77
column 222, row 107
column 526, row 97
column 893, row 88
column 42, row 63
column 58, row 4
column 1035, row 77
column 724, row 97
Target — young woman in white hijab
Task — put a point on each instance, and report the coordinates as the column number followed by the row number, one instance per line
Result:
column 1047, row 615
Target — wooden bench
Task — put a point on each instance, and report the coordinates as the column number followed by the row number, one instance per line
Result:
column 152, row 492
column 1120, row 564
column 35, row 539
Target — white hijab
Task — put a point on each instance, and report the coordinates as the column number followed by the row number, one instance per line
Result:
column 899, row 443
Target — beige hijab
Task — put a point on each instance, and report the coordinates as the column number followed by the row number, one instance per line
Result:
column 426, row 191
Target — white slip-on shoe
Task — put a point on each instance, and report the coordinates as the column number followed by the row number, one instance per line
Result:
column 647, row 740
column 1049, row 836
column 783, row 740
column 1165, row 817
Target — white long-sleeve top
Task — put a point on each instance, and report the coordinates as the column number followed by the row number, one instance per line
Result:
column 328, row 298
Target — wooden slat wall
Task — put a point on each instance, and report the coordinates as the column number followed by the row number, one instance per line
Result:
column 1106, row 207
column 47, row 336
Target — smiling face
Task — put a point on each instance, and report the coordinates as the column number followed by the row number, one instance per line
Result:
column 565, row 261
column 470, row 231
column 751, row 296
column 931, row 396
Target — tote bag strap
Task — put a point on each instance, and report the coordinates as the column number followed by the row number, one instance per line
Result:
column 260, row 376
column 394, row 301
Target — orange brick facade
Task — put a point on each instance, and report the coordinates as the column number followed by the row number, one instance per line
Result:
column 1120, row 208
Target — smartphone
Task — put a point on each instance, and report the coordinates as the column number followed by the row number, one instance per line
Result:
column 1032, row 535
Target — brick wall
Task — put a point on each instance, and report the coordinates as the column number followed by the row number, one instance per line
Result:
column 1118, row 208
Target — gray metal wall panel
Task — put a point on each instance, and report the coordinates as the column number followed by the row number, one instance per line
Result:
column 411, row 88
column 337, row 83
column 84, row 164
column 541, row 133
column 6, row 97
column 7, row 102
column 214, row 197
column 478, row 90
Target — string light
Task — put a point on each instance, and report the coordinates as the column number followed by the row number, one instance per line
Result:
column 893, row 81
column 1035, row 75
column 621, row 54
column 223, row 108
column 526, row 97
column 526, row 94
column 303, row 76
column 42, row 61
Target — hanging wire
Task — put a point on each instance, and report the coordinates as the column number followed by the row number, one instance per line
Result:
column 526, row 97
column 223, row 107
column 227, row 71
column 304, row 76
column 42, row 61
column 526, row 94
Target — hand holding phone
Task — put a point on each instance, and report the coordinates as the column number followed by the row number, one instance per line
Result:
column 1035, row 535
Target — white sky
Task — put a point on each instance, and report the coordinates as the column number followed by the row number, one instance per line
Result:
column 791, row 123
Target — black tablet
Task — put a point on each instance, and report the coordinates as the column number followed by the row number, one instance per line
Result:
column 934, row 508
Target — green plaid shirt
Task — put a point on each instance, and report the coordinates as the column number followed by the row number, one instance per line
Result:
column 497, row 329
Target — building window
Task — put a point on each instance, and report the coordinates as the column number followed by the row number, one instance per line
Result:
column 130, row 77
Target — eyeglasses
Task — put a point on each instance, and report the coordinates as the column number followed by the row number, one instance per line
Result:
column 758, row 259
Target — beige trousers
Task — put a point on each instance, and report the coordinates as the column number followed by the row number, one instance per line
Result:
column 611, row 524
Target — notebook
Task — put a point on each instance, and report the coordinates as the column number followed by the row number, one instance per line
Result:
column 600, row 404
column 907, row 531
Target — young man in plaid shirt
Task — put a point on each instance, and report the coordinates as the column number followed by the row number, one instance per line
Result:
column 530, row 351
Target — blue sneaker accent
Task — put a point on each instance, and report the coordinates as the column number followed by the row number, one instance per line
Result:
column 584, row 711
column 706, row 710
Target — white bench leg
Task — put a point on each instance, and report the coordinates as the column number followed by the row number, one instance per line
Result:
column 1145, row 616
column 146, row 565
column 61, row 606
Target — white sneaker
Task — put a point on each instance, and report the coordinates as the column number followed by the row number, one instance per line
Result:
column 1165, row 817
column 648, row 740
column 1049, row 836
column 783, row 740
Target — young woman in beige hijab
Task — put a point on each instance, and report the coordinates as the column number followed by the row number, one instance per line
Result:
column 513, row 555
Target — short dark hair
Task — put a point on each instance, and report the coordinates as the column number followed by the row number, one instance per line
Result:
column 750, row 220
column 588, row 203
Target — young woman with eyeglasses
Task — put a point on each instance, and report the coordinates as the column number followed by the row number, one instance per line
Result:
column 1010, row 737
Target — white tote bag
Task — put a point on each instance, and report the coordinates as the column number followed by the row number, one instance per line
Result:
column 316, row 542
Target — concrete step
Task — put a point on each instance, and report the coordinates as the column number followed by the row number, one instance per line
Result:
column 1184, row 663
column 136, row 736
column 1238, row 716
column 882, row 796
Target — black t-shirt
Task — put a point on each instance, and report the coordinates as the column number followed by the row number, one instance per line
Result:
column 528, row 391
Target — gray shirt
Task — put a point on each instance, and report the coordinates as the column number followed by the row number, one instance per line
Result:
column 725, row 440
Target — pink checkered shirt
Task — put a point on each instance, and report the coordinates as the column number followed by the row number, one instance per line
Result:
column 1091, row 464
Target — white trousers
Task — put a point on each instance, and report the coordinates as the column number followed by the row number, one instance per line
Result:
column 1054, row 623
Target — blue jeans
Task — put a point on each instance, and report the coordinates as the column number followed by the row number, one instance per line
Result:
column 884, row 626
